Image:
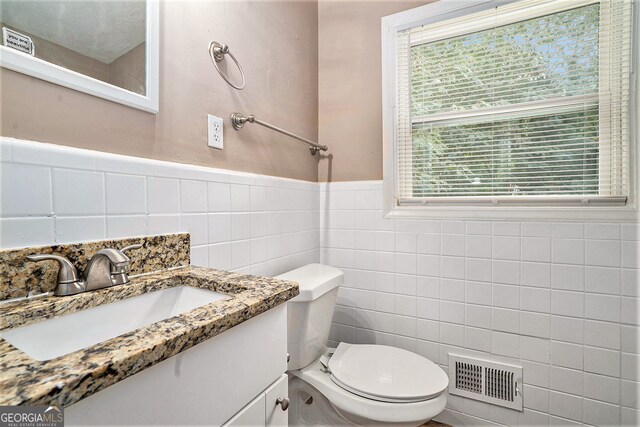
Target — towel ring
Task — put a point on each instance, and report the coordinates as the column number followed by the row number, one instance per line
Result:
column 217, row 51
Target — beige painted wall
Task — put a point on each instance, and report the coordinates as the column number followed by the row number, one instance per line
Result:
column 276, row 43
column 349, row 84
column 128, row 71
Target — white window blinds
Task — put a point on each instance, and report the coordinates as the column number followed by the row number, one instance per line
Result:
column 525, row 103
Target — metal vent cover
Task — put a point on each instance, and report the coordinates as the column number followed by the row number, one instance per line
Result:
column 486, row 381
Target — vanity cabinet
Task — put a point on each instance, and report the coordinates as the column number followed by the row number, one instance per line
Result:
column 266, row 409
column 234, row 378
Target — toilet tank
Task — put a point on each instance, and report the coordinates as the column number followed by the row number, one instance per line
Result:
column 310, row 313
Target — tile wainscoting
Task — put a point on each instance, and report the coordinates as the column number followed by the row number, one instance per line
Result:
column 560, row 299
column 237, row 221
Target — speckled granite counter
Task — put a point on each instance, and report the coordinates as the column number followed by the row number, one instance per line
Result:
column 67, row 379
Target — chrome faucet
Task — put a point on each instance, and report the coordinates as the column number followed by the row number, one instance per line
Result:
column 107, row 267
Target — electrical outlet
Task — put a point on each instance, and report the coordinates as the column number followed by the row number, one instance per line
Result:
column 215, row 132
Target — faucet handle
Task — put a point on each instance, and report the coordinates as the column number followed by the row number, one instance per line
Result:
column 115, row 257
column 68, row 281
column 67, row 272
column 126, row 249
column 121, row 255
column 130, row 247
column 120, row 263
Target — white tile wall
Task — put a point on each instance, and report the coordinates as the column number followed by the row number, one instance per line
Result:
column 560, row 299
column 251, row 223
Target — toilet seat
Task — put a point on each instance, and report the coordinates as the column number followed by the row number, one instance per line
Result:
column 386, row 374
column 353, row 404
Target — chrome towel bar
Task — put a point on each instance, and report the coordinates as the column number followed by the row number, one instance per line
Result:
column 238, row 121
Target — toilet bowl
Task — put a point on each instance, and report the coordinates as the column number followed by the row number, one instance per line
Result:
column 353, row 384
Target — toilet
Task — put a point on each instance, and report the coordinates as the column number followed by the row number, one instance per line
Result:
column 352, row 384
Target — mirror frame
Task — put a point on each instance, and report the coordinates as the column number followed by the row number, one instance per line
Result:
column 24, row 63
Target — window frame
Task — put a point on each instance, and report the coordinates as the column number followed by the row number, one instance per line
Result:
column 539, row 208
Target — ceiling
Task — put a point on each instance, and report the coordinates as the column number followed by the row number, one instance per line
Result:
column 103, row 30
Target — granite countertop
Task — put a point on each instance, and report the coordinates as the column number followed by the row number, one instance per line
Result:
column 67, row 379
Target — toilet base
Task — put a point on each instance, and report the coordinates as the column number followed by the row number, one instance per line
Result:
column 309, row 407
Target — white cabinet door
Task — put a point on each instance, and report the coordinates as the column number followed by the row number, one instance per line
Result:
column 277, row 403
column 250, row 415
column 248, row 356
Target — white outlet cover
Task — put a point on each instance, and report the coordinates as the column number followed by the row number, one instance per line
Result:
column 216, row 128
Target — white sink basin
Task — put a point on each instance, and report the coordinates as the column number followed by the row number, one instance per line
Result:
column 65, row 334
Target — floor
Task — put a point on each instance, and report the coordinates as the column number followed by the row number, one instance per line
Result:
column 434, row 424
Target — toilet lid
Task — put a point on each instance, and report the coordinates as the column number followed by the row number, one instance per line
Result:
column 387, row 374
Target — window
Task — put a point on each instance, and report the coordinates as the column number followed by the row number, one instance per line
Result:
column 524, row 104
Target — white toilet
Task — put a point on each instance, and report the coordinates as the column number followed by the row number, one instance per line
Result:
column 351, row 384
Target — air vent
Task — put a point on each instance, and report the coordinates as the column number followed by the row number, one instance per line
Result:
column 487, row 381
column 468, row 377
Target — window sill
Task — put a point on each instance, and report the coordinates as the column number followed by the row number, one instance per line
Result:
column 519, row 213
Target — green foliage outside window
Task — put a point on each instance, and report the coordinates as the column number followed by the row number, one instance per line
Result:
column 534, row 153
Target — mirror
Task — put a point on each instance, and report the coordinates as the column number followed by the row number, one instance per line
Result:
column 108, row 48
